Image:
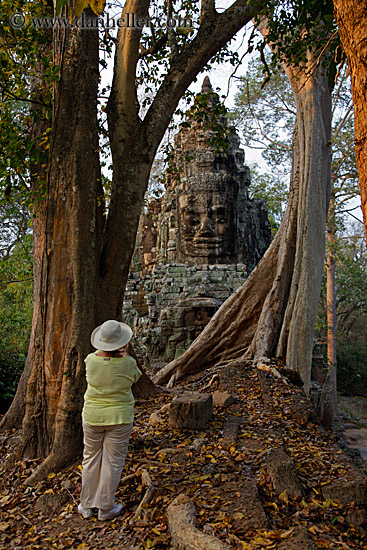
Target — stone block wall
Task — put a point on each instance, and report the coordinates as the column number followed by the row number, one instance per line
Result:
column 169, row 308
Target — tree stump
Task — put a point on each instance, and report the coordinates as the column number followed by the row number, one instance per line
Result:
column 191, row 411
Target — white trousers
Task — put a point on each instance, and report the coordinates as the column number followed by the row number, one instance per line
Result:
column 105, row 449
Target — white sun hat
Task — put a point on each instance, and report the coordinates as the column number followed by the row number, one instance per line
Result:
column 111, row 336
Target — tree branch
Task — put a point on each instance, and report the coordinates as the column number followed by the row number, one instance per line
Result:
column 263, row 61
column 122, row 99
column 16, row 281
column 155, row 47
column 264, row 135
column 12, row 96
column 170, row 32
column 287, row 108
column 207, row 9
column 146, row 482
column 214, row 32
column 355, row 217
column 347, row 116
column 338, row 92
column 240, row 60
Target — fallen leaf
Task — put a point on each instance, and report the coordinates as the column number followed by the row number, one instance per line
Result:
column 287, row 534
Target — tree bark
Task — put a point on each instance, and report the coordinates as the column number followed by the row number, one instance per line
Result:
column 313, row 167
column 351, row 17
column 331, row 306
column 274, row 311
column 66, row 282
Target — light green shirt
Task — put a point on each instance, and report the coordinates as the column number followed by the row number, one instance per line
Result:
column 109, row 399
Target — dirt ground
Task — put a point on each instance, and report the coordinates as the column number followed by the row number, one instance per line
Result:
column 261, row 474
column 353, row 412
column 354, row 406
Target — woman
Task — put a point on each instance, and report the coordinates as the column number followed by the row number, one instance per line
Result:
column 108, row 415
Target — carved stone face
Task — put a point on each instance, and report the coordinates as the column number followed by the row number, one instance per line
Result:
column 206, row 223
column 205, row 202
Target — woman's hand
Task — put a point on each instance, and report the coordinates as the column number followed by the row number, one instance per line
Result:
column 125, row 351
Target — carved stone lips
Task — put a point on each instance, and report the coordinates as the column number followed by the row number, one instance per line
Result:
column 214, row 242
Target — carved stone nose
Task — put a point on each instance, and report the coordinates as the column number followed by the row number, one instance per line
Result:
column 206, row 228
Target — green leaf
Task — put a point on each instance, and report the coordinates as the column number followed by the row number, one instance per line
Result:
column 80, row 6
column 98, row 6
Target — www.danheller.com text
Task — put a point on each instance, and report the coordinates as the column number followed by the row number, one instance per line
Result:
column 130, row 21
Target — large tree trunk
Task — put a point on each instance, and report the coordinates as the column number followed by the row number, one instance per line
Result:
column 313, row 101
column 274, row 311
column 351, row 17
column 67, row 248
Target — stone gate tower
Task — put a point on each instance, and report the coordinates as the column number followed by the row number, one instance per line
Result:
column 206, row 215
column 198, row 243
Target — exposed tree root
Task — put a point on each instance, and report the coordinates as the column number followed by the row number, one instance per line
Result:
column 127, row 478
column 51, row 464
column 185, row 536
column 147, row 482
column 14, row 416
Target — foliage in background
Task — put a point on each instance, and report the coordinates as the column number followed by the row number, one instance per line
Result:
column 16, row 293
column 273, row 190
column 266, row 115
column 25, row 54
column 351, row 312
column 21, row 54
column 14, row 222
column 352, row 366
